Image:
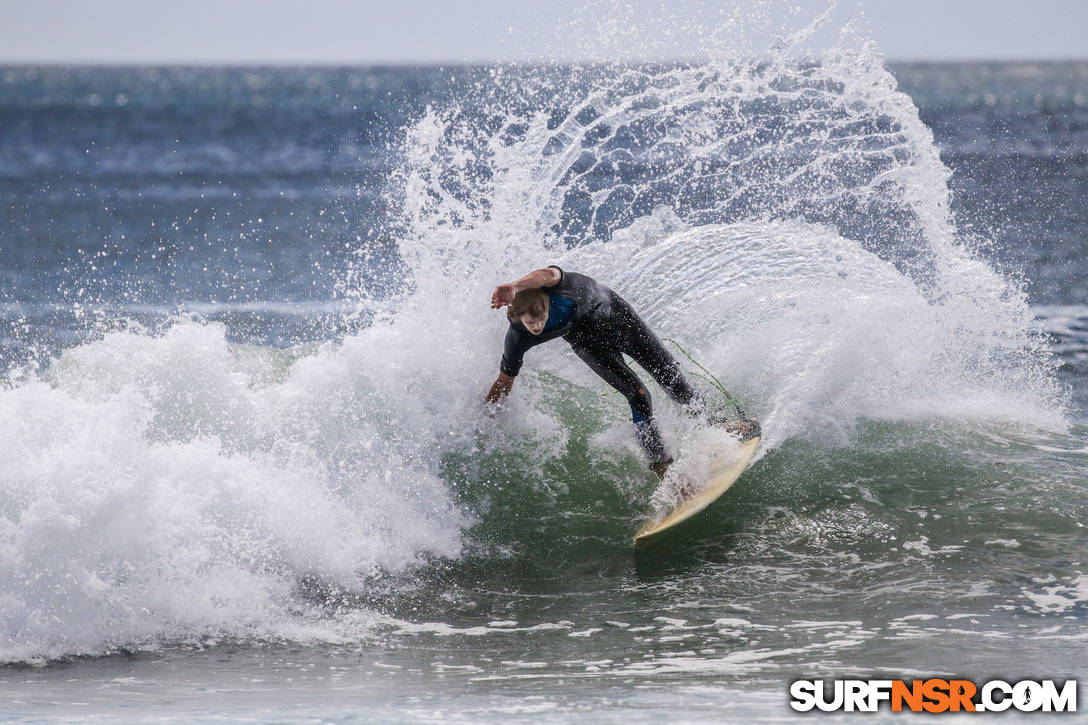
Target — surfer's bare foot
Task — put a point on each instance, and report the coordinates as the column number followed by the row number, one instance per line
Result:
column 744, row 429
column 661, row 467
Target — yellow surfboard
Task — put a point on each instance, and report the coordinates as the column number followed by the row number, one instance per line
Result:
column 724, row 471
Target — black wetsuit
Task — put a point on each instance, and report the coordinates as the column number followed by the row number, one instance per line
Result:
column 601, row 328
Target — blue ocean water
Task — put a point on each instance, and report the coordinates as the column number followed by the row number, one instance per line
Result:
column 244, row 469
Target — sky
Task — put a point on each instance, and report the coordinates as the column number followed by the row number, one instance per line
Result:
column 445, row 31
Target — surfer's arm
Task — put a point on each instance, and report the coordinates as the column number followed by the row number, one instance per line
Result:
column 500, row 389
column 512, row 354
column 546, row 277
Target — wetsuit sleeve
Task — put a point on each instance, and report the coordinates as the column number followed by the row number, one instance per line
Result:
column 513, row 351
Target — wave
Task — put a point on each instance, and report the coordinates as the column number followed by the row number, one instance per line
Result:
column 176, row 486
column 786, row 220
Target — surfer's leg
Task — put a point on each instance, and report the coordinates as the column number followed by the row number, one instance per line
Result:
column 609, row 365
column 638, row 340
column 648, row 352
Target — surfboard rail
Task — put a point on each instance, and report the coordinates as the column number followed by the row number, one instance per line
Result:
column 720, row 479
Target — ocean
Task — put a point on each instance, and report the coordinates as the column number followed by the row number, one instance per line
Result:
column 245, row 469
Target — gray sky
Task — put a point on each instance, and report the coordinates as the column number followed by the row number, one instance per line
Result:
column 405, row 31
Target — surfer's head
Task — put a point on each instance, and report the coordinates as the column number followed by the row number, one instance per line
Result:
column 530, row 307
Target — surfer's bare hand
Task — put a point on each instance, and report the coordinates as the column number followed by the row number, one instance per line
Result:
column 500, row 389
column 502, row 296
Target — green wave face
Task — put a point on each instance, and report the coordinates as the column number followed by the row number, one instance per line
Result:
column 913, row 517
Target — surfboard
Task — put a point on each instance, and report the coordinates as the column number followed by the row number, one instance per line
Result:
column 724, row 471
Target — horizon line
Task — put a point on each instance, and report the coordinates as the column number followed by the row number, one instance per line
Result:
column 466, row 63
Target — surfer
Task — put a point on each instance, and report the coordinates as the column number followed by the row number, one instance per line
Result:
column 601, row 327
